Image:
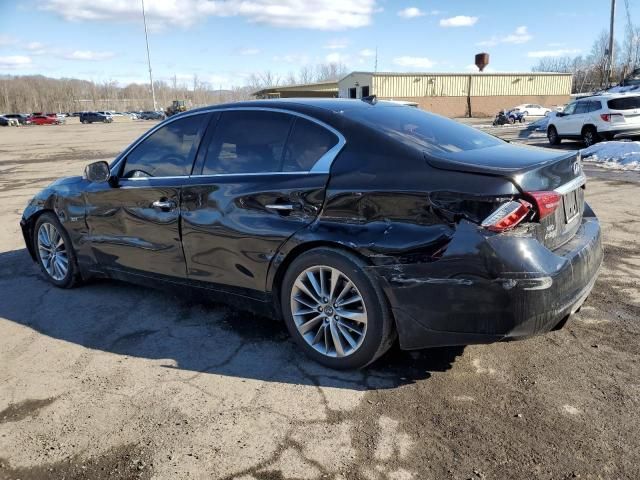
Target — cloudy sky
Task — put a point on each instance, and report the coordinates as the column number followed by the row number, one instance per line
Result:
column 224, row 41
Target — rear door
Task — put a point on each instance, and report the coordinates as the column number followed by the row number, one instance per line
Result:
column 262, row 177
column 134, row 224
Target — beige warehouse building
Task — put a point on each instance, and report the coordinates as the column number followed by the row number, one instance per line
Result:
column 308, row 90
column 460, row 94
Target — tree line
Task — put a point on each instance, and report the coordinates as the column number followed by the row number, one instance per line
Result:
column 591, row 71
column 38, row 93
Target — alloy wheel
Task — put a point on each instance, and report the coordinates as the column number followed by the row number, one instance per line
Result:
column 53, row 251
column 328, row 310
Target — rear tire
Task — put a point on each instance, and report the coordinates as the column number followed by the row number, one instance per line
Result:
column 552, row 135
column 334, row 312
column 54, row 251
column 590, row 136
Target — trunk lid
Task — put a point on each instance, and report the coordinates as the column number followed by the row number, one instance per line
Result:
column 530, row 169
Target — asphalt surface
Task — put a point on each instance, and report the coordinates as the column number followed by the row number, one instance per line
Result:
column 115, row 381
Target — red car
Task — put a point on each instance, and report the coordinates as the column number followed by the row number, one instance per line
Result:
column 44, row 120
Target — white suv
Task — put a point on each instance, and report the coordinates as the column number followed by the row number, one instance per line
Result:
column 595, row 118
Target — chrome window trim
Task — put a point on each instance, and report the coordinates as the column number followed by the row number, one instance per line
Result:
column 249, row 174
column 572, row 185
column 322, row 165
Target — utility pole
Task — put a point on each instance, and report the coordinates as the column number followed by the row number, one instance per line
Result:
column 375, row 67
column 146, row 38
column 613, row 16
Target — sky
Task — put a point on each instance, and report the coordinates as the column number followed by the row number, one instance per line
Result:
column 224, row 41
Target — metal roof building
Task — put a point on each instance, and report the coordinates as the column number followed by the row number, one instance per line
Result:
column 317, row 89
column 460, row 94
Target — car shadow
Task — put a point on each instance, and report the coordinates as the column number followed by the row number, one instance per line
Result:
column 187, row 333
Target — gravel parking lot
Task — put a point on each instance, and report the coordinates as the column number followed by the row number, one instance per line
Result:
column 116, row 381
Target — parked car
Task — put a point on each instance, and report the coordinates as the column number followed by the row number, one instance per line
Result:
column 150, row 115
column 22, row 118
column 355, row 222
column 532, row 110
column 46, row 120
column 91, row 117
column 592, row 119
column 8, row 122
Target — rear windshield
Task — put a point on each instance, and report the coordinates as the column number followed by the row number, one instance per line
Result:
column 427, row 130
column 624, row 103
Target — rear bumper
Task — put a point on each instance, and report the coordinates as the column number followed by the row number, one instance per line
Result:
column 491, row 288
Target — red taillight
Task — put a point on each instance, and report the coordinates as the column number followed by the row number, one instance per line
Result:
column 546, row 202
column 609, row 116
column 507, row 216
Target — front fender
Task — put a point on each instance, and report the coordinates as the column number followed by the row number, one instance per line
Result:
column 66, row 200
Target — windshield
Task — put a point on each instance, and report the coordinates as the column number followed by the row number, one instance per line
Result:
column 429, row 131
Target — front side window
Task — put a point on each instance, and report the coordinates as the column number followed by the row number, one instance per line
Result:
column 570, row 109
column 247, row 141
column 308, row 142
column 168, row 152
column 582, row 107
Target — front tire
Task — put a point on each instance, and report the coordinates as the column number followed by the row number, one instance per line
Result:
column 333, row 310
column 552, row 135
column 54, row 251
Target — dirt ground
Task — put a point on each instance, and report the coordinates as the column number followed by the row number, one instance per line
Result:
column 115, row 381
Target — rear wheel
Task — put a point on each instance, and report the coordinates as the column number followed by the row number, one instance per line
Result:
column 552, row 135
column 54, row 251
column 590, row 136
column 333, row 310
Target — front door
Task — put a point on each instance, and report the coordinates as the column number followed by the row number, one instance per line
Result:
column 134, row 222
column 263, row 177
column 565, row 121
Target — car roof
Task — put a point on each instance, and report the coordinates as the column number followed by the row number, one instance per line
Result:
column 608, row 96
column 302, row 104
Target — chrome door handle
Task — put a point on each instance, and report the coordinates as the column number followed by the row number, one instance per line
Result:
column 164, row 204
column 281, row 207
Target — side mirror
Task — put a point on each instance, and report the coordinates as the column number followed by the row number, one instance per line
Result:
column 97, row 172
column 560, row 114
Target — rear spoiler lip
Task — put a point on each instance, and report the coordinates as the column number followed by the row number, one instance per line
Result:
column 443, row 163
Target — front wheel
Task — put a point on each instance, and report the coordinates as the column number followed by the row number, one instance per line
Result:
column 333, row 310
column 552, row 135
column 54, row 251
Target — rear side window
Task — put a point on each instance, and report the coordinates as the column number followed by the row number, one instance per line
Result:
column 429, row 131
column 624, row 103
column 167, row 152
column 594, row 106
column 248, row 141
column 307, row 143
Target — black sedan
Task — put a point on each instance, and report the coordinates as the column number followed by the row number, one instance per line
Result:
column 357, row 222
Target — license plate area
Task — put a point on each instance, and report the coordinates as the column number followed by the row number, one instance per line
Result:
column 570, row 205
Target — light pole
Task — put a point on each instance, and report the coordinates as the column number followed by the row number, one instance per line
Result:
column 146, row 38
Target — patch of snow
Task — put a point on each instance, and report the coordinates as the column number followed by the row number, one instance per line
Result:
column 616, row 155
